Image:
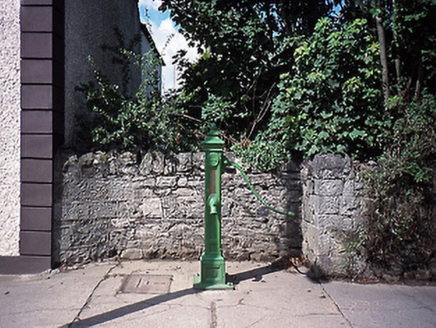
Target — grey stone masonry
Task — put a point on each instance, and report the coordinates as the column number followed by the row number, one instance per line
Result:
column 333, row 199
column 106, row 205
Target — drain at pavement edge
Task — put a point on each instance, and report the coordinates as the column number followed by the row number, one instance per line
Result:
column 146, row 284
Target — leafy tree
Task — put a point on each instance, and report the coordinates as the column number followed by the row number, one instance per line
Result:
column 244, row 51
column 299, row 77
column 407, row 39
column 295, row 78
column 330, row 101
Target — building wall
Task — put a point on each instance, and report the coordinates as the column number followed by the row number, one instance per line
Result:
column 147, row 48
column 9, row 127
column 88, row 26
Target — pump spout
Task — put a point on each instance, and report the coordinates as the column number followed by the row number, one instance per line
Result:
column 213, row 204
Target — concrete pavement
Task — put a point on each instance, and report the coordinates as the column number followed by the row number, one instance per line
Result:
column 159, row 294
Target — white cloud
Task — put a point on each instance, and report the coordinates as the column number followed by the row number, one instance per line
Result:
column 168, row 42
column 167, row 39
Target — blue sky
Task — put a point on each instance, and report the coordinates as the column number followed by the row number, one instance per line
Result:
column 155, row 15
column 162, row 28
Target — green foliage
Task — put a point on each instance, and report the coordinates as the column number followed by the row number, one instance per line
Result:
column 330, row 100
column 265, row 153
column 244, row 51
column 410, row 41
column 139, row 123
column 297, row 78
column 400, row 225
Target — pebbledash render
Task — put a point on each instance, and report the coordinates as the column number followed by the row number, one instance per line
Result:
column 10, row 127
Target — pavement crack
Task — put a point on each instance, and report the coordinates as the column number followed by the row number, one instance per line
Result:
column 257, row 321
column 214, row 316
column 88, row 300
column 336, row 305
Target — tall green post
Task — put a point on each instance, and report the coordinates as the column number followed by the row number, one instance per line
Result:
column 213, row 274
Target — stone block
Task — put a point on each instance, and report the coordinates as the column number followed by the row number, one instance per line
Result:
column 196, row 182
column 103, row 209
column 127, row 159
column 349, row 206
column 308, row 188
column 349, row 188
column 198, row 160
column 132, row 254
column 326, row 223
column 328, row 187
column 182, row 207
column 182, row 181
column 158, row 164
column 184, row 162
column 310, row 233
column 325, row 205
column 152, row 207
column 146, row 165
column 37, row 146
column 324, row 244
column 171, row 163
column 331, row 166
column 166, row 181
column 185, row 192
column 180, row 230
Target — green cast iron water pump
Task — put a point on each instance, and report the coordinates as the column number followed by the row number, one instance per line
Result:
column 213, row 274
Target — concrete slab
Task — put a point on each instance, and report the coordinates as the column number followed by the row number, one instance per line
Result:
column 385, row 305
column 46, row 300
column 109, row 307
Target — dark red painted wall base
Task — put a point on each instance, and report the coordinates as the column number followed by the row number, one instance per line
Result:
column 24, row 264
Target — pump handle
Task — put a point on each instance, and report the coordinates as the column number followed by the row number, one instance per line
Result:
column 228, row 162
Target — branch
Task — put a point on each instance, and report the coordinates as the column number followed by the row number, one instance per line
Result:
column 419, row 81
column 187, row 117
column 263, row 111
column 383, row 57
column 397, row 59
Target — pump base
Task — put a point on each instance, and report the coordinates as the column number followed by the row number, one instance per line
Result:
column 213, row 275
column 198, row 284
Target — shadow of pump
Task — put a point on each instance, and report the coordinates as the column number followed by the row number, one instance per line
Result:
column 255, row 275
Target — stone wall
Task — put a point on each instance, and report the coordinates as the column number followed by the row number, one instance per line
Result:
column 107, row 205
column 333, row 199
column 9, row 127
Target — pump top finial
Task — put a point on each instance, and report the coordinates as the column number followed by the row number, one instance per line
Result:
column 213, row 130
column 213, row 141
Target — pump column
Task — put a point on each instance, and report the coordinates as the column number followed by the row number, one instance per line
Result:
column 213, row 274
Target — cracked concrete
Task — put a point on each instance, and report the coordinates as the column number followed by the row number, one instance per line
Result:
column 91, row 297
column 88, row 300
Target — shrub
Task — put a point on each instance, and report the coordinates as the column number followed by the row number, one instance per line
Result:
column 400, row 219
column 146, row 121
